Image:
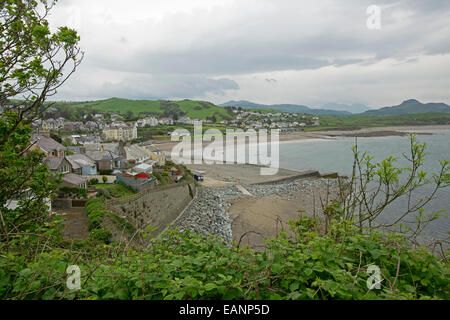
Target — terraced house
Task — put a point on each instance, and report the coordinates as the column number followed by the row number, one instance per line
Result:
column 155, row 154
column 136, row 154
column 120, row 132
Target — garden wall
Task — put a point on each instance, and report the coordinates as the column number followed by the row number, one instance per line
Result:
column 110, row 178
column 156, row 208
column 60, row 203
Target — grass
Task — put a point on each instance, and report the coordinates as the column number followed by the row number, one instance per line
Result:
column 357, row 121
column 192, row 108
column 104, row 185
column 114, row 190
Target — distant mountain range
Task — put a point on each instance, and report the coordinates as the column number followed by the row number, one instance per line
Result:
column 293, row 108
column 354, row 108
column 411, row 106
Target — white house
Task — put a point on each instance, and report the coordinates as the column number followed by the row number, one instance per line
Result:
column 143, row 168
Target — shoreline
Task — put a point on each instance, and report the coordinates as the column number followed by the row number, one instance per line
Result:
column 167, row 146
column 248, row 207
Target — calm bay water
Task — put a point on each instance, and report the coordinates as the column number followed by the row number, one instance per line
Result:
column 336, row 156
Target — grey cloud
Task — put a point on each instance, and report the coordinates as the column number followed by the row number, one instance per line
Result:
column 188, row 54
column 168, row 86
column 344, row 62
column 429, row 6
column 345, row 37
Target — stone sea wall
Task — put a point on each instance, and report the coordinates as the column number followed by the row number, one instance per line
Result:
column 156, row 208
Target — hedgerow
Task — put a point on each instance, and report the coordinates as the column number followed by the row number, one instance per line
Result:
column 178, row 265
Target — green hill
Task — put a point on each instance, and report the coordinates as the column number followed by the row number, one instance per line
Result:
column 411, row 106
column 184, row 108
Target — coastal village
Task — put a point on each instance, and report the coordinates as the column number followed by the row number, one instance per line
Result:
column 105, row 152
column 105, row 145
column 103, row 149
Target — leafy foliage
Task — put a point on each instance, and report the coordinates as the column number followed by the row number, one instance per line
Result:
column 76, row 191
column 32, row 62
column 190, row 266
column 372, row 187
column 24, row 178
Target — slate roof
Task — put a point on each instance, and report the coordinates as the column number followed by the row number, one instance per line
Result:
column 135, row 152
column 74, row 149
column 143, row 166
column 150, row 147
column 113, row 147
column 80, row 160
column 53, row 162
column 102, row 155
column 47, row 144
column 74, row 179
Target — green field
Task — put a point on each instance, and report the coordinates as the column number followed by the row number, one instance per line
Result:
column 357, row 122
column 190, row 108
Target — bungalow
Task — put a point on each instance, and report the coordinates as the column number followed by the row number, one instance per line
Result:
column 106, row 160
column 74, row 180
column 86, row 165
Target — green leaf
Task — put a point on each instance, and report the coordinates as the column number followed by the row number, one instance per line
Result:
column 276, row 268
column 210, row 286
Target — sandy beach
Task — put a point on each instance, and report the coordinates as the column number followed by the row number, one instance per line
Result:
column 265, row 203
column 167, row 146
column 260, row 216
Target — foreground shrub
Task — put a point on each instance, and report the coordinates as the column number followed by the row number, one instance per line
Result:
column 189, row 266
column 103, row 236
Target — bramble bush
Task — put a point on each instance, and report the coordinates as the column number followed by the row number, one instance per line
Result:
column 301, row 265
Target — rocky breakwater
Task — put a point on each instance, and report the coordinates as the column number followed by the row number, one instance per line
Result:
column 307, row 185
column 207, row 214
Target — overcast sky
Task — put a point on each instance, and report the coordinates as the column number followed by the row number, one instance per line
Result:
column 266, row 51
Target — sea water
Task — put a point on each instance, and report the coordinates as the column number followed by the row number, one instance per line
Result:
column 335, row 155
